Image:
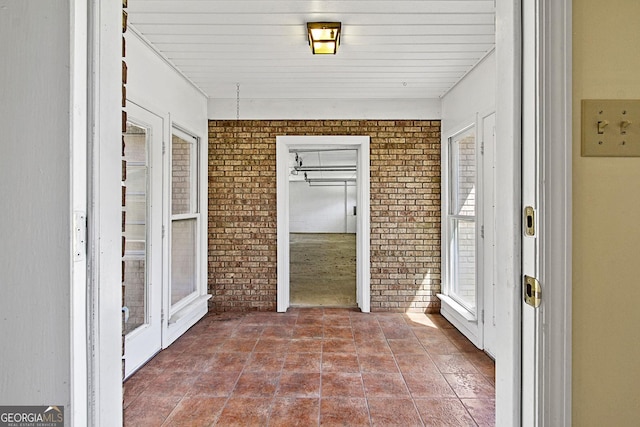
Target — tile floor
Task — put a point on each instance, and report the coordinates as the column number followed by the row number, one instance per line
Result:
column 308, row 367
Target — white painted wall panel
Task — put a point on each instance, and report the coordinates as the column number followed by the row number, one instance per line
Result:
column 35, row 254
column 155, row 85
column 326, row 109
column 319, row 209
column 475, row 93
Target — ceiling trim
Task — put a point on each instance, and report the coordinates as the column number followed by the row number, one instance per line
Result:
column 326, row 109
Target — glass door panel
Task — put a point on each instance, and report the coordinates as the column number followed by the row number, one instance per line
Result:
column 135, row 250
column 143, row 237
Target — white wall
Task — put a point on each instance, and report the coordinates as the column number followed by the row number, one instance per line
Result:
column 155, row 85
column 35, row 253
column 323, row 109
column 475, row 93
column 315, row 209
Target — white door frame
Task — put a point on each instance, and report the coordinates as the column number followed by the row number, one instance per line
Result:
column 103, row 379
column 104, row 252
column 531, row 185
column 486, row 244
column 507, row 173
column 363, row 271
column 78, row 187
column 554, row 214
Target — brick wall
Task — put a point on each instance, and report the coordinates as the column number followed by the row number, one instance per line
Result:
column 405, row 211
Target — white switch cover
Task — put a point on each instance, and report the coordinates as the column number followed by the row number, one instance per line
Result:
column 610, row 127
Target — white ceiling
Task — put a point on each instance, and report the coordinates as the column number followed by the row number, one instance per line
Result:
column 391, row 49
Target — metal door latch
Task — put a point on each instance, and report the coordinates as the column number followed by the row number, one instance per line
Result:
column 532, row 291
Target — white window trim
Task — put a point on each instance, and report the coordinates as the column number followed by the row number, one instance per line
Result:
column 454, row 311
column 179, row 317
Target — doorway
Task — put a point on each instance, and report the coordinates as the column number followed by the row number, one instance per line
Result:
column 285, row 145
column 322, row 203
column 557, row 18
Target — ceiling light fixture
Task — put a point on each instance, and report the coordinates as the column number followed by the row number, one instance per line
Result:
column 324, row 37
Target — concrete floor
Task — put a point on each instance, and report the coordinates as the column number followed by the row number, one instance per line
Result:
column 322, row 271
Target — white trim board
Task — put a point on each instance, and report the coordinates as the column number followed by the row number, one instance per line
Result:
column 78, row 160
column 556, row 211
column 104, row 216
column 325, row 109
column 507, row 174
column 363, row 272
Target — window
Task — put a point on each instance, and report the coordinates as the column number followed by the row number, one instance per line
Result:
column 185, row 218
column 461, row 219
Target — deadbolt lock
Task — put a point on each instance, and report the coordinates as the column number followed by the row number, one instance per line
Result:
column 532, row 291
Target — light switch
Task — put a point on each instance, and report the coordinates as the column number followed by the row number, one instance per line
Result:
column 611, row 127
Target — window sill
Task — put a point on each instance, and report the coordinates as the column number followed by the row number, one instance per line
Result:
column 458, row 308
column 462, row 319
column 185, row 318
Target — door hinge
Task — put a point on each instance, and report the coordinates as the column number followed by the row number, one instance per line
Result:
column 164, row 147
column 532, row 291
column 482, row 315
column 163, row 231
column 79, row 236
column 482, row 231
column 529, row 221
column 482, row 148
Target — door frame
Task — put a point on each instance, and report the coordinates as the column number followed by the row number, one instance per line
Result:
column 103, row 70
column 554, row 213
column 487, row 242
column 363, row 270
column 102, row 376
column 80, row 175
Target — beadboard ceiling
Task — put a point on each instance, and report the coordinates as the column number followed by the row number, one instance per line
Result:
column 390, row 49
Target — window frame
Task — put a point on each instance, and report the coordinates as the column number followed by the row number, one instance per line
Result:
column 450, row 201
column 194, row 214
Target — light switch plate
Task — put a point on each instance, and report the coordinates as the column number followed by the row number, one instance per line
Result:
column 611, row 128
